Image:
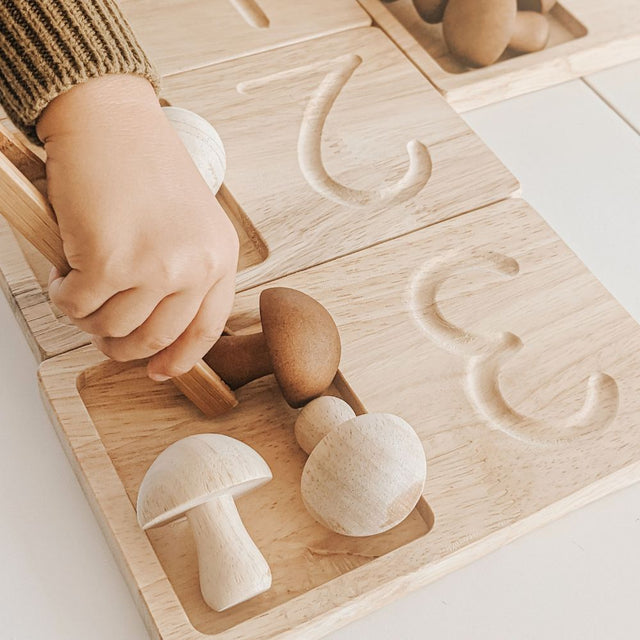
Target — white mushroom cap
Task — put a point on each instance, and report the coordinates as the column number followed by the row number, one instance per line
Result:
column 195, row 470
column 365, row 476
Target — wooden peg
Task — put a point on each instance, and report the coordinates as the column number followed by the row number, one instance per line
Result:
column 28, row 211
column 299, row 344
column 477, row 32
column 199, row 477
column 365, row 474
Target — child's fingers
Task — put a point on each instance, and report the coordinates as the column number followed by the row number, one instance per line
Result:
column 200, row 336
column 122, row 314
column 77, row 294
column 167, row 322
column 54, row 274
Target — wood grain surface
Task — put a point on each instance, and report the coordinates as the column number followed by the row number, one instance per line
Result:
column 337, row 144
column 517, row 369
column 186, row 34
column 308, row 180
column 585, row 36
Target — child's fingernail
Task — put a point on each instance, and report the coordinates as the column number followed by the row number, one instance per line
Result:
column 158, row 377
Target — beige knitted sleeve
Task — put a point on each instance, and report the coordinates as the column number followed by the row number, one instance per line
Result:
column 48, row 46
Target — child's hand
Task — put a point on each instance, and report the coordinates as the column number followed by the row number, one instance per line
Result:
column 152, row 253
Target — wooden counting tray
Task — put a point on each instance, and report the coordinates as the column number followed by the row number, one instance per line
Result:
column 517, row 369
column 294, row 208
column 585, row 36
column 319, row 138
column 183, row 34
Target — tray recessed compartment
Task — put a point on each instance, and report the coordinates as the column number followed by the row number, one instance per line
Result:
column 585, row 36
column 517, row 369
column 181, row 34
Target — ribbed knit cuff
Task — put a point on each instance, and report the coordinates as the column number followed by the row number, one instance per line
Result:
column 48, row 46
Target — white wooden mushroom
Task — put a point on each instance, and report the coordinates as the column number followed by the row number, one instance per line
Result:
column 365, row 474
column 202, row 142
column 199, row 476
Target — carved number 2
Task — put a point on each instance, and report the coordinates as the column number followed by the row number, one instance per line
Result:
column 310, row 141
column 486, row 354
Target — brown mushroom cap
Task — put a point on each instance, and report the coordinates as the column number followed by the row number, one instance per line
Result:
column 303, row 342
column 478, row 31
column 430, row 11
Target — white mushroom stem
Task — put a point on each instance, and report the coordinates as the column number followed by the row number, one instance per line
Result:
column 231, row 567
column 318, row 418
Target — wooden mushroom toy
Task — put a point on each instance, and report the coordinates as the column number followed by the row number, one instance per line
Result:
column 430, row 11
column 199, row 476
column 365, row 474
column 299, row 344
column 477, row 32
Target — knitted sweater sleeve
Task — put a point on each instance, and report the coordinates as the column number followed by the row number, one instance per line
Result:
column 48, row 46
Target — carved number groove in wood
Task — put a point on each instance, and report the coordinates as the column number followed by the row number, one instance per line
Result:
column 486, row 354
column 253, row 15
column 310, row 141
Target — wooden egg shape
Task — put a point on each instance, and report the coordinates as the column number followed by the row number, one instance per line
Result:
column 478, row 31
column 530, row 32
column 365, row 476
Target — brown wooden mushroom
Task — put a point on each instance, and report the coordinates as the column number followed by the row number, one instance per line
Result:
column 541, row 6
column 299, row 344
column 477, row 32
column 430, row 11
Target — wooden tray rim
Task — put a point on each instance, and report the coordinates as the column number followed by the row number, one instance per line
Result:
column 509, row 78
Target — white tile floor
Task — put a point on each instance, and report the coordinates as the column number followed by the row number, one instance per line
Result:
column 579, row 578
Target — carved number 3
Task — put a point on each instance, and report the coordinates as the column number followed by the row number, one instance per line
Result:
column 486, row 354
column 310, row 141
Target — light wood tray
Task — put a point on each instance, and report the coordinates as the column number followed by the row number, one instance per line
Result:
column 182, row 34
column 586, row 36
column 307, row 174
column 519, row 372
column 286, row 218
